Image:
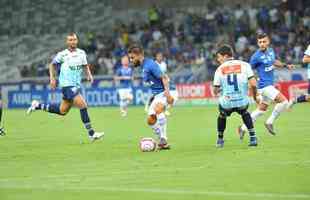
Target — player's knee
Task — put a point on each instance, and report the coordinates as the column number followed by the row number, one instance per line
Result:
column 245, row 114
column 130, row 97
column 159, row 108
column 151, row 120
column 63, row 111
column 263, row 107
column 222, row 116
column 170, row 100
column 280, row 98
column 82, row 105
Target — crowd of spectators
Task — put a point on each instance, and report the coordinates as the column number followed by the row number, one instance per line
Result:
column 188, row 39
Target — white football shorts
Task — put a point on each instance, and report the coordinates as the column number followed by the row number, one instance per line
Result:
column 268, row 94
column 125, row 93
column 161, row 98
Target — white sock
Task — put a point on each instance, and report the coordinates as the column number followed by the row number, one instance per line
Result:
column 278, row 109
column 162, row 121
column 156, row 128
column 123, row 105
column 254, row 115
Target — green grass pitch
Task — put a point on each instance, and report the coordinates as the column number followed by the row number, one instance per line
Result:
column 42, row 158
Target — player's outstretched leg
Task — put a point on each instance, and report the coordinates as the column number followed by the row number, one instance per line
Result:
column 282, row 105
column 158, row 122
column 247, row 120
column 300, row 99
column 81, row 104
column 51, row 108
column 221, row 126
column 123, row 107
column 86, row 121
column 254, row 115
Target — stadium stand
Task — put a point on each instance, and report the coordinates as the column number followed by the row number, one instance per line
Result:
column 187, row 34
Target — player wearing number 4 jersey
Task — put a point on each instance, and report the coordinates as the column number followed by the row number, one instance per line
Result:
column 231, row 81
column 72, row 61
column 264, row 61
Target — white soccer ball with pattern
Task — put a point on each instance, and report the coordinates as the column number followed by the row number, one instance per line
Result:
column 147, row 144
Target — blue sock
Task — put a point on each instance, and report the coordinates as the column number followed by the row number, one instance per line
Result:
column 302, row 98
column 221, row 126
column 51, row 108
column 86, row 121
column 247, row 120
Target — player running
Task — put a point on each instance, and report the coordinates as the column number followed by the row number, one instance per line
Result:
column 72, row 61
column 306, row 60
column 231, row 81
column 124, row 75
column 264, row 62
column 159, row 84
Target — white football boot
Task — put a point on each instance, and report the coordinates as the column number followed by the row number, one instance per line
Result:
column 96, row 136
column 32, row 108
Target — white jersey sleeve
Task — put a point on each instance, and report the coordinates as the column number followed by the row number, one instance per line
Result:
column 307, row 52
column 83, row 57
column 249, row 71
column 217, row 78
column 58, row 59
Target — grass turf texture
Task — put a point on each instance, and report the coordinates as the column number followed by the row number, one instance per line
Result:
column 42, row 158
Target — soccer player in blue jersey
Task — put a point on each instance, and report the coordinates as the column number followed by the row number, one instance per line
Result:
column 306, row 60
column 124, row 75
column 72, row 62
column 232, row 81
column 159, row 84
column 264, row 61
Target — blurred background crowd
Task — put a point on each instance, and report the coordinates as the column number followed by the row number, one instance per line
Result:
column 187, row 35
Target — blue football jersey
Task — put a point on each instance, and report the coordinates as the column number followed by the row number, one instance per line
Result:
column 152, row 75
column 262, row 62
column 125, row 71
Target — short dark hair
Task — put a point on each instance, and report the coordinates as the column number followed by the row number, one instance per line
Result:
column 225, row 50
column 71, row 34
column 135, row 49
column 261, row 34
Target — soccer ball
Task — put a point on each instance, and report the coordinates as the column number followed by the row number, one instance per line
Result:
column 147, row 144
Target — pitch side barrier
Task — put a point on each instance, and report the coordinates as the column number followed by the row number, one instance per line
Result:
column 104, row 92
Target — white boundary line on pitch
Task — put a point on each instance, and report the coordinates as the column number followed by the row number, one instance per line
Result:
column 170, row 191
column 208, row 193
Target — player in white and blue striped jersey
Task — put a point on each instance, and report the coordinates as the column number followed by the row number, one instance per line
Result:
column 231, row 82
column 72, row 62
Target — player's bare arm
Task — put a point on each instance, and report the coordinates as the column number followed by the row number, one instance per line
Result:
column 253, row 89
column 52, row 72
column 216, row 90
column 280, row 64
column 306, row 59
column 165, row 80
column 89, row 75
